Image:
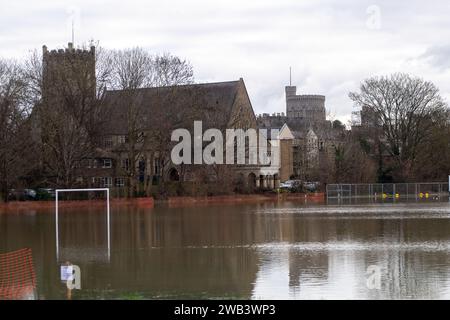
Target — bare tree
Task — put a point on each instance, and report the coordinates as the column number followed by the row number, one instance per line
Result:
column 433, row 162
column 136, row 69
column 352, row 163
column 14, row 130
column 170, row 70
column 405, row 109
column 33, row 72
column 133, row 70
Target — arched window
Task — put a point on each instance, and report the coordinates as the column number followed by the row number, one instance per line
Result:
column 173, row 175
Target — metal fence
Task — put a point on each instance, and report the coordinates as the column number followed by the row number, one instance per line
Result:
column 388, row 190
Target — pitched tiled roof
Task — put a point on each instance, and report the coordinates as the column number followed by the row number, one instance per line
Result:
column 210, row 102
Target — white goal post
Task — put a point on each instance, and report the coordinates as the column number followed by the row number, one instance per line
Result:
column 57, row 191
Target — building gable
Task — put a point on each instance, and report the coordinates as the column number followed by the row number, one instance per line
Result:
column 242, row 114
column 285, row 133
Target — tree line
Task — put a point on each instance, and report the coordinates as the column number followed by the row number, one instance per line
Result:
column 403, row 134
column 46, row 131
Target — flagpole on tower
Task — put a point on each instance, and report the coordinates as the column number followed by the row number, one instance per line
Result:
column 73, row 32
column 290, row 76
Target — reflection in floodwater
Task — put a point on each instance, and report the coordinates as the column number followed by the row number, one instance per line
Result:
column 265, row 251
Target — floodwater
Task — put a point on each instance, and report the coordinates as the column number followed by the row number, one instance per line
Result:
column 259, row 251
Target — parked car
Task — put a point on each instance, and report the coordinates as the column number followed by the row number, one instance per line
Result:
column 311, row 186
column 291, row 185
column 30, row 193
column 22, row 194
column 287, row 184
column 45, row 193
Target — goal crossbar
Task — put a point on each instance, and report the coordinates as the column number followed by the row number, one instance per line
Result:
column 108, row 220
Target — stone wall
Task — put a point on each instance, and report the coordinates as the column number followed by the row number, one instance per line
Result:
column 286, row 160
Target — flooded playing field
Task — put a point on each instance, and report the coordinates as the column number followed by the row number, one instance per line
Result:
column 260, row 251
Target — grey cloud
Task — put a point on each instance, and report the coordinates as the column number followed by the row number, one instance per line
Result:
column 438, row 56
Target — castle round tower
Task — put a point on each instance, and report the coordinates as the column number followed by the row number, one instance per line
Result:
column 308, row 107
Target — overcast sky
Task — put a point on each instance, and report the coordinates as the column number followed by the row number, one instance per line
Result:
column 331, row 45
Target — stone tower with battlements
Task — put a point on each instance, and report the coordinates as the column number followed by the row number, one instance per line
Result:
column 68, row 72
column 310, row 108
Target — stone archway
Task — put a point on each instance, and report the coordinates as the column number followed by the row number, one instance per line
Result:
column 240, row 183
column 173, row 175
column 262, row 180
column 251, row 181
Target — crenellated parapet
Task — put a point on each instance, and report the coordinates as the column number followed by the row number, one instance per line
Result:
column 69, row 50
column 307, row 97
column 270, row 116
column 69, row 70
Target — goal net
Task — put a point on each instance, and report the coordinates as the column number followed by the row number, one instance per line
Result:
column 17, row 277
